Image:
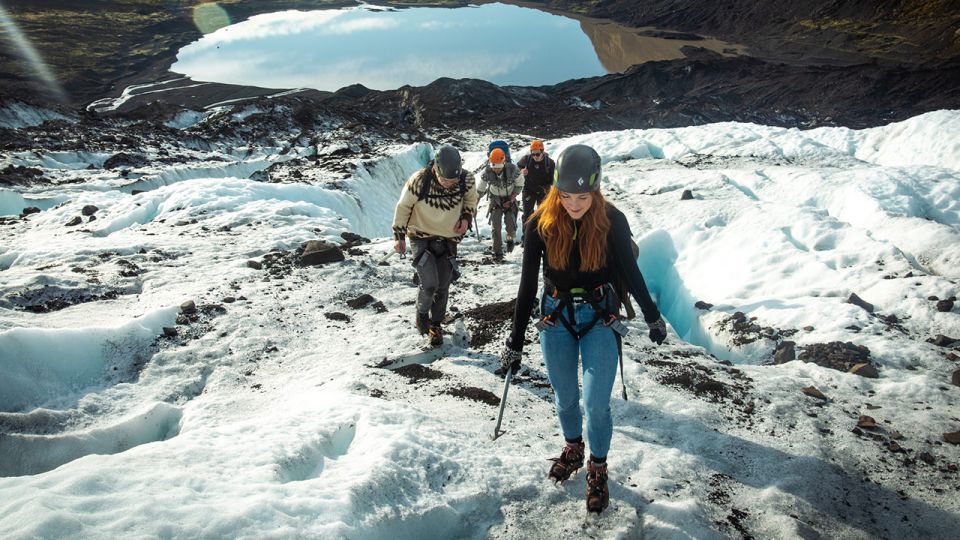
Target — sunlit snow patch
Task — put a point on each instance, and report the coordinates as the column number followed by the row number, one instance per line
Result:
column 32, row 454
column 43, row 365
column 13, row 203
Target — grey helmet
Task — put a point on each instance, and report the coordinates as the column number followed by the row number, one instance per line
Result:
column 578, row 169
column 448, row 161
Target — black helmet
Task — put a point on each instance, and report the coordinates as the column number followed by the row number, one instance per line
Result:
column 448, row 161
column 578, row 169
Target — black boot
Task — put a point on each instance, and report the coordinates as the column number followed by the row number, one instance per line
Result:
column 423, row 323
column 598, row 496
column 571, row 459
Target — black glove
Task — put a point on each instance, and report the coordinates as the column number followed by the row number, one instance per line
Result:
column 658, row 330
column 510, row 359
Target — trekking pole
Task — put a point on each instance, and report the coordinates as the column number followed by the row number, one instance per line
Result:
column 384, row 259
column 503, row 403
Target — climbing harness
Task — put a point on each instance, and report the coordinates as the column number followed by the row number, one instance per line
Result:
column 599, row 298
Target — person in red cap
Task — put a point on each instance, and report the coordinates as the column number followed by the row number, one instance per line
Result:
column 537, row 170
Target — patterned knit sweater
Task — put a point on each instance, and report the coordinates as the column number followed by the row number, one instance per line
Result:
column 435, row 216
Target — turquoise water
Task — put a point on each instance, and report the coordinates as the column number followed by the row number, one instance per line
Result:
column 384, row 49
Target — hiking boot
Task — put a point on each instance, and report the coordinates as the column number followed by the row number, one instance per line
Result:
column 423, row 323
column 571, row 459
column 498, row 257
column 598, row 496
column 509, row 245
column 436, row 336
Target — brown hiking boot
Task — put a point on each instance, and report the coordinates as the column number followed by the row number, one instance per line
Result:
column 436, row 336
column 598, row 496
column 423, row 323
column 571, row 459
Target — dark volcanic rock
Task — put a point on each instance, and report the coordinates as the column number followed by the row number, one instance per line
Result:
column 188, row 307
column 813, row 392
column 942, row 341
column 785, row 352
column 317, row 252
column 360, row 301
column 418, row 372
column 857, row 301
column 700, row 381
column 89, row 210
column 836, row 355
column 53, row 298
column 475, row 394
column 944, row 306
column 124, row 159
column 353, row 239
column 865, row 370
column 14, row 174
column 488, row 321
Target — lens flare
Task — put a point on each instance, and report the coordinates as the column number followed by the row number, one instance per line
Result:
column 209, row 17
column 11, row 33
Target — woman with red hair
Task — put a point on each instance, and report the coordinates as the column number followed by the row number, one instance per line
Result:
column 584, row 244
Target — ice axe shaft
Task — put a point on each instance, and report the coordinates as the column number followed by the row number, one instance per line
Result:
column 386, row 257
column 503, row 402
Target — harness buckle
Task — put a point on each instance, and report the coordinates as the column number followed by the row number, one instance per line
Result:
column 614, row 324
column 543, row 324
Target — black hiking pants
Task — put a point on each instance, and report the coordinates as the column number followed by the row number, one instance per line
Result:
column 531, row 198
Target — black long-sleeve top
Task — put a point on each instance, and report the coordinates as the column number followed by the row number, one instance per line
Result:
column 620, row 262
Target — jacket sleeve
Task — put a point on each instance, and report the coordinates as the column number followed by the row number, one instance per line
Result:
column 522, row 162
column 482, row 183
column 626, row 266
column 529, row 280
column 469, row 209
column 404, row 209
column 517, row 183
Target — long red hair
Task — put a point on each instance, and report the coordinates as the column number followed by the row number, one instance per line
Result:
column 556, row 229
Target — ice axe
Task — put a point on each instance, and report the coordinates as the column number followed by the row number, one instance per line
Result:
column 385, row 258
column 503, row 402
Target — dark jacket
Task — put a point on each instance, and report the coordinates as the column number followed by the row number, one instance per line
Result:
column 620, row 262
column 539, row 175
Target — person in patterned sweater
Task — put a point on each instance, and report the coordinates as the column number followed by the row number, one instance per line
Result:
column 435, row 210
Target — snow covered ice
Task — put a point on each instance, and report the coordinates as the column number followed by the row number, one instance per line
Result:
column 265, row 415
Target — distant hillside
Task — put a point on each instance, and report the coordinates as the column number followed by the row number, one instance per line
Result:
column 97, row 48
column 806, row 31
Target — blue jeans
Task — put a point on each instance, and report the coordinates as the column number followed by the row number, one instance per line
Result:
column 561, row 352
